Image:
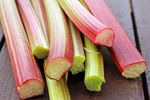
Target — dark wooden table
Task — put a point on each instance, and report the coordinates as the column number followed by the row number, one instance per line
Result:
column 135, row 18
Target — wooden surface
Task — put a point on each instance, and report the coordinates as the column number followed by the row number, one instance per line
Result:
column 116, row 86
column 142, row 20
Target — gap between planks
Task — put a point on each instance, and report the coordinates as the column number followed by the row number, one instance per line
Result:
column 2, row 42
column 143, row 76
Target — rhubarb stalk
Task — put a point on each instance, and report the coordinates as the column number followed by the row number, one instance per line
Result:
column 27, row 75
column 39, row 9
column 38, row 42
column 58, row 90
column 94, row 68
column 79, row 58
column 126, row 56
column 60, row 58
column 93, row 29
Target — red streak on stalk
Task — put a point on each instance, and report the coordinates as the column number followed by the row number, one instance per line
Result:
column 25, row 67
column 41, row 14
column 61, row 45
column 123, row 51
column 84, row 21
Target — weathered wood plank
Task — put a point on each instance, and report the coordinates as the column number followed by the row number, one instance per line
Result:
column 116, row 86
column 141, row 10
column 7, row 82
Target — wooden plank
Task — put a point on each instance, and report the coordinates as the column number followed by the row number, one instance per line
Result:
column 116, row 86
column 142, row 20
column 7, row 82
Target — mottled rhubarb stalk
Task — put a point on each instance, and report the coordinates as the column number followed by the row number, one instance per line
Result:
column 60, row 58
column 126, row 56
column 79, row 57
column 27, row 75
column 39, row 9
column 58, row 90
column 38, row 42
column 93, row 29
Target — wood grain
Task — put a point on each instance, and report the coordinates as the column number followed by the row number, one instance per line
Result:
column 142, row 20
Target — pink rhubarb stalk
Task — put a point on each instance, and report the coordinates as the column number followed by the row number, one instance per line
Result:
column 61, row 53
column 38, row 42
column 39, row 9
column 93, row 29
column 27, row 75
column 126, row 56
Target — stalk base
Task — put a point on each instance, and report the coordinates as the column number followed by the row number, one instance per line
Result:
column 134, row 70
column 30, row 88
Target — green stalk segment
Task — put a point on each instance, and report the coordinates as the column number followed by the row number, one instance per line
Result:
column 79, row 57
column 58, row 90
column 94, row 68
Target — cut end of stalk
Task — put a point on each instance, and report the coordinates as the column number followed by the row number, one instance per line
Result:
column 75, row 70
column 56, row 68
column 78, row 65
column 134, row 70
column 40, row 52
column 31, row 88
column 105, row 38
column 93, row 83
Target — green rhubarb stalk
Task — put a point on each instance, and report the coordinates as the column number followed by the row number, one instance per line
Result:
column 79, row 57
column 94, row 67
column 58, row 90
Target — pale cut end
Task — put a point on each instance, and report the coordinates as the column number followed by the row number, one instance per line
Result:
column 56, row 68
column 134, row 70
column 31, row 88
column 40, row 52
column 105, row 38
column 93, row 83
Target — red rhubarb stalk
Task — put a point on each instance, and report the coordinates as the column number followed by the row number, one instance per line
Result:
column 126, row 56
column 38, row 42
column 93, row 29
column 27, row 75
column 61, row 53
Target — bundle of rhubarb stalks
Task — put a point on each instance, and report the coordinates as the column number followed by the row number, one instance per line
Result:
column 68, row 35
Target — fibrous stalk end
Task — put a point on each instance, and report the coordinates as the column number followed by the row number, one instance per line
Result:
column 105, row 37
column 93, row 83
column 57, row 67
column 31, row 88
column 40, row 52
column 134, row 70
column 78, row 65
